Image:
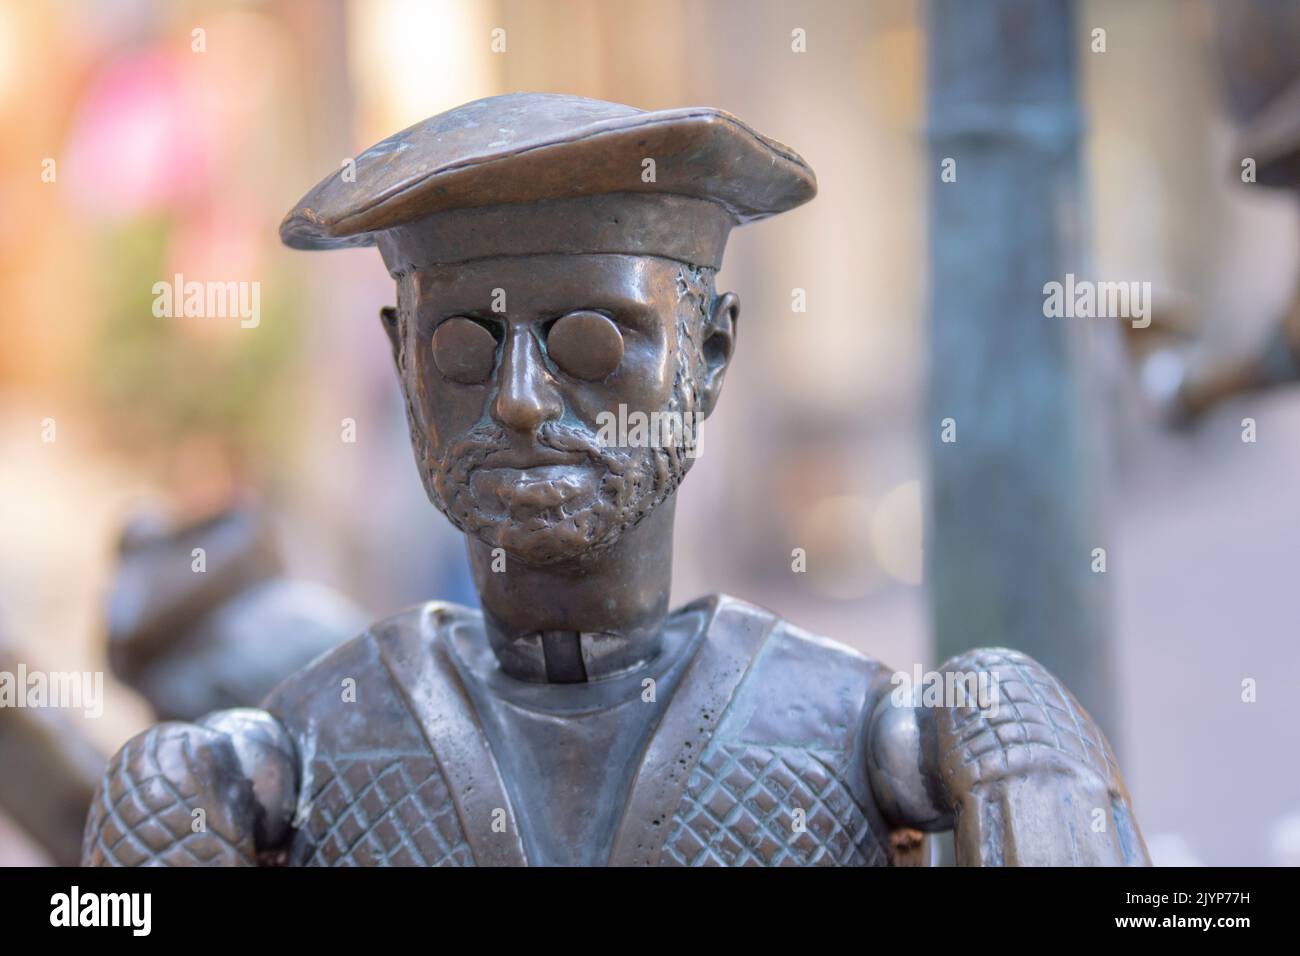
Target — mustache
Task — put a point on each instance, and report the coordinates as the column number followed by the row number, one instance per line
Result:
column 485, row 439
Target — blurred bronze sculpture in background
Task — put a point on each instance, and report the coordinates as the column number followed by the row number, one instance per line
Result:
column 559, row 340
column 195, row 639
column 189, row 638
column 1258, row 46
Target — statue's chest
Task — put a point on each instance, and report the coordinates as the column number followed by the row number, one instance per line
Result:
column 741, row 805
column 748, row 805
column 367, row 809
column 747, row 753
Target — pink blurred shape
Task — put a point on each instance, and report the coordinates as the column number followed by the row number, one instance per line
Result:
column 138, row 144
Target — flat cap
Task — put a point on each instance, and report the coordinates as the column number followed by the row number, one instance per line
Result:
column 537, row 172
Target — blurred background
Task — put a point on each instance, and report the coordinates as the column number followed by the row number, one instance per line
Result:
column 134, row 148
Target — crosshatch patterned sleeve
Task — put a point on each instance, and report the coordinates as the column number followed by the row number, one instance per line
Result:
column 1032, row 781
column 184, row 794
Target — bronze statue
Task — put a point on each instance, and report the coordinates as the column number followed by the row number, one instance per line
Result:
column 555, row 259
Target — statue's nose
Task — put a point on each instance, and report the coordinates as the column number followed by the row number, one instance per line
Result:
column 526, row 396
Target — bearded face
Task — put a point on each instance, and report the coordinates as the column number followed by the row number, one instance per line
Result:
column 510, row 367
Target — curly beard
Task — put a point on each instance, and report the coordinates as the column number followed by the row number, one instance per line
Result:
column 563, row 513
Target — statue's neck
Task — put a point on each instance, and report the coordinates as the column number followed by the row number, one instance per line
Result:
column 600, row 615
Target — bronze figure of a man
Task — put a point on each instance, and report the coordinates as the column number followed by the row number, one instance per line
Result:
column 555, row 260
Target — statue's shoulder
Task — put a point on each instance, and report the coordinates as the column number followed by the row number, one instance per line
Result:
column 782, row 712
column 377, row 727
column 355, row 677
column 725, row 613
column 792, row 670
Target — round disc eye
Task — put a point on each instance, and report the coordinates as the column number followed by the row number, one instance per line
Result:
column 585, row 344
column 464, row 351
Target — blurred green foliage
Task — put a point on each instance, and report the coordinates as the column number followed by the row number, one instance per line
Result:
column 166, row 380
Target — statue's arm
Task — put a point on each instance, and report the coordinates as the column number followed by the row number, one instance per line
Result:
column 220, row 792
column 1028, row 780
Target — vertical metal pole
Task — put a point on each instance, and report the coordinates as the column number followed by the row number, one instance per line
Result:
column 1012, row 506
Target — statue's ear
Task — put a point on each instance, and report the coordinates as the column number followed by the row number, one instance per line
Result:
column 719, row 342
column 388, row 319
